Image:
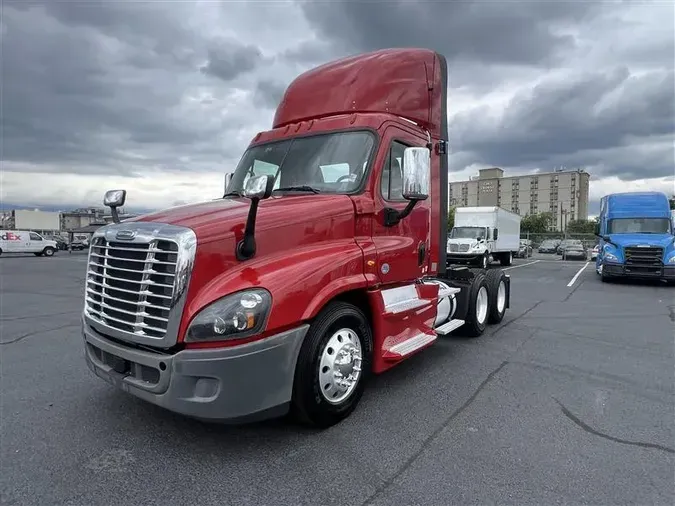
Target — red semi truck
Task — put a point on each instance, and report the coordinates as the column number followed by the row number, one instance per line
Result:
column 324, row 262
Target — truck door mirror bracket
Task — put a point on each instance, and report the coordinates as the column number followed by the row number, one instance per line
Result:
column 416, row 176
column 257, row 188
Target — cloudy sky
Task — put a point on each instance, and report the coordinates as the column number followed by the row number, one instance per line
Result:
column 162, row 97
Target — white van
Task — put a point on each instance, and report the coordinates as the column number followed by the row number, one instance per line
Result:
column 25, row 241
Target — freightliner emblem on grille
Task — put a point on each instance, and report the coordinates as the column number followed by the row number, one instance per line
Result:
column 125, row 235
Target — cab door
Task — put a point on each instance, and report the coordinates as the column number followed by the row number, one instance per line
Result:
column 35, row 243
column 403, row 248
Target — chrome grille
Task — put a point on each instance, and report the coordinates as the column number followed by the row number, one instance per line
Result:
column 130, row 286
column 647, row 257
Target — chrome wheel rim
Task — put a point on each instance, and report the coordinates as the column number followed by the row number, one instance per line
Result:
column 485, row 262
column 340, row 366
column 481, row 305
column 501, row 296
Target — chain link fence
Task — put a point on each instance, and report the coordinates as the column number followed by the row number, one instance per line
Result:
column 588, row 240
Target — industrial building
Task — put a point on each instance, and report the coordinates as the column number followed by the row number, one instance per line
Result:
column 52, row 223
column 562, row 193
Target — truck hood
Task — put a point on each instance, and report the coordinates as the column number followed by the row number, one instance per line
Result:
column 623, row 240
column 223, row 218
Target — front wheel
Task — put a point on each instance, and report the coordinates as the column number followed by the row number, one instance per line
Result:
column 48, row 251
column 333, row 362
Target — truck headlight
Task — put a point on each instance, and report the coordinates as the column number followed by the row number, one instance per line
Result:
column 234, row 316
column 611, row 257
column 671, row 260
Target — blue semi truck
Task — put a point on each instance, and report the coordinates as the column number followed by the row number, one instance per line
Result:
column 636, row 237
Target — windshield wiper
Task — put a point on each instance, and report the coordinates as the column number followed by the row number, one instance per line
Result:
column 301, row 188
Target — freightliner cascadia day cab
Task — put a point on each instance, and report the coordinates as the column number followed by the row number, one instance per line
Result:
column 636, row 237
column 324, row 261
column 482, row 234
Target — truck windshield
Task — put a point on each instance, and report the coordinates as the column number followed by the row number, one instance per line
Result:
column 467, row 233
column 329, row 163
column 639, row 226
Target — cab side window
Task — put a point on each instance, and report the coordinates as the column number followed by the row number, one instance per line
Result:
column 391, row 183
column 35, row 237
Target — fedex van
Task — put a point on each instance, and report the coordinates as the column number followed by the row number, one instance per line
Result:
column 25, row 241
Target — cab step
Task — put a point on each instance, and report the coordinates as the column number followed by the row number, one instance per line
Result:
column 448, row 327
column 409, row 346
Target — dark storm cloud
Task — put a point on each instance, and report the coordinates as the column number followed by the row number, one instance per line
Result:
column 579, row 119
column 100, row 87
column 227, row 59
column 520, row 33
column 610, row 117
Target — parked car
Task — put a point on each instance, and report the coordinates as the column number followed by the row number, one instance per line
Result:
column 549, row 246
column 575, row 251
column 564, row 243
column 595, row 251
column 525, row 249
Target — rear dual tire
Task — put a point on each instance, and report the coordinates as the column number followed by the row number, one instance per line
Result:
column 487, row 302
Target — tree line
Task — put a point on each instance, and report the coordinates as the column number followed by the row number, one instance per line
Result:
column 539, row 223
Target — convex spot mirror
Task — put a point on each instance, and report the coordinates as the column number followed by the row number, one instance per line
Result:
column 416, row 173
column 114, row 198
column 259, row 187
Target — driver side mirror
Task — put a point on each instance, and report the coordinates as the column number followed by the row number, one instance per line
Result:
column 416, row 173
column 597, row 230
column 416, row 178
column 495, row 234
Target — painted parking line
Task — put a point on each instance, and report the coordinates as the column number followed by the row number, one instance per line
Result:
column 521, row 265
column 576, row 276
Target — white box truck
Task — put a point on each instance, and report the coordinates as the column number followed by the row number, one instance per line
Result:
column 482, row 234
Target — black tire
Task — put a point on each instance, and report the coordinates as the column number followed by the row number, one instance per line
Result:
column 309, row 404
column 472, row 326
column 37, row 254
column 494, row 279
column 48, row 251
column 0, row 252
column 506, row 259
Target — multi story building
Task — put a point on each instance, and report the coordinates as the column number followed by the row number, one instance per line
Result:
column 562, row 193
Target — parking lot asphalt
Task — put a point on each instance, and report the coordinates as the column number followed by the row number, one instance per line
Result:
column 568, row 401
